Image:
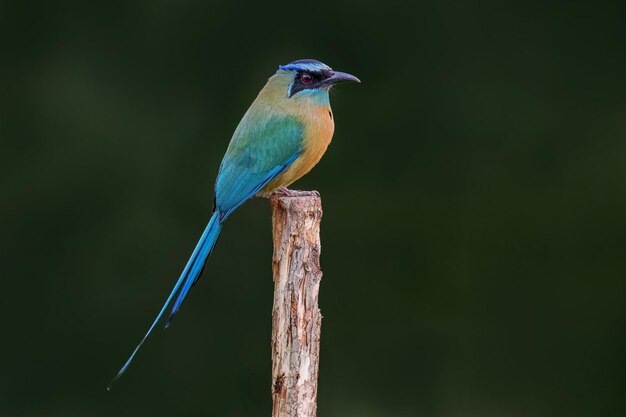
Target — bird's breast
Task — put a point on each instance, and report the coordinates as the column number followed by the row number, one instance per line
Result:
column 318, row 132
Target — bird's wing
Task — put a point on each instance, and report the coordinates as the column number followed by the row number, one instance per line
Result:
column 262, row 148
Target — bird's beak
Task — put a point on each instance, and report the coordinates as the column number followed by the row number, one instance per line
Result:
column 341, row 77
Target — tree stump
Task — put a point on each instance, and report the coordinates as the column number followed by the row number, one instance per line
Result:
column 296, row 318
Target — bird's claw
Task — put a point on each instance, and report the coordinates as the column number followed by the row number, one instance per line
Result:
column 286, row 192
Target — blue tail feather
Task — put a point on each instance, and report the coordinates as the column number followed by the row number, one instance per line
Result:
column 197, row 265
column 205, row 245
column 187, row 277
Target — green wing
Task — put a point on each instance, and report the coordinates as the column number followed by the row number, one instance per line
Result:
column 263, row 146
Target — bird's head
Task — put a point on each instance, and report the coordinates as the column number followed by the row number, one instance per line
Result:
column 308, row 78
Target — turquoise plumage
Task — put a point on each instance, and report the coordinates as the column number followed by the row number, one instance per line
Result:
column 281, row 137
column 262, row 147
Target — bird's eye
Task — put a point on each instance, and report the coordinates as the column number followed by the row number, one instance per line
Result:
column 306, row 78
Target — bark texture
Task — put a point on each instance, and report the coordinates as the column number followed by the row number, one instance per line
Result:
column 296, row 318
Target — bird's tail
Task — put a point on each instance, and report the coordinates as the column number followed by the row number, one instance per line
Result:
column 187, row 278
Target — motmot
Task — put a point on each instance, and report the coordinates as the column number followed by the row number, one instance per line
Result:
column 281, row 137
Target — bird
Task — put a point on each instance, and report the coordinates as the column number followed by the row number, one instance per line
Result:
column 280, row 138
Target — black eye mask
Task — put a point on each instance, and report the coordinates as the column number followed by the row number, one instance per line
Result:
column 317, row 81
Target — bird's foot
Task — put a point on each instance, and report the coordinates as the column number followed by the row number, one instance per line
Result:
column 286, row 192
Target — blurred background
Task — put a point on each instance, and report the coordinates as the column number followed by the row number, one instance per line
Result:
column 474, row 234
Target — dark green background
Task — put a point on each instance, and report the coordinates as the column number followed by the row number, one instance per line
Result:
column 474, row 235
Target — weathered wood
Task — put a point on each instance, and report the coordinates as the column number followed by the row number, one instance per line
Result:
column 296, row 318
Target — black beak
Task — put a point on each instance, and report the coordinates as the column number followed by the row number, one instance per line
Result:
column 341, row 77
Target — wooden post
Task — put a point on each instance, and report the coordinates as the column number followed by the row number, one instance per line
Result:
column 296, row 318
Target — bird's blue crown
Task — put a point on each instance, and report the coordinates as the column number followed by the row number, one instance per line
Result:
column 310, row 65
